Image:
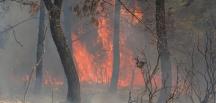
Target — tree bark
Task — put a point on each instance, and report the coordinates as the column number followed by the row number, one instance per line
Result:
column 40, row 48
column 116, row 56
column 73, row 95
column 163, row 52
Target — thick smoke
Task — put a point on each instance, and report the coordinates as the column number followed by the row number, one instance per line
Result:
column 18, row 45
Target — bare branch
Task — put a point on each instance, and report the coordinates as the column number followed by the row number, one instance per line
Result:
column 141, row 21
column 19, row 23
column 18, row 42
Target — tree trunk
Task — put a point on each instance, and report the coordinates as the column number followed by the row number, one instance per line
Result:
column 40, row 48
column 163, row 52
column 73, row 95
column 116, row 56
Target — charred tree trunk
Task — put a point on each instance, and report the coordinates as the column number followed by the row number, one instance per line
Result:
column 73, row 95
column 40, row 48
column 163, row 51
column 116, row 56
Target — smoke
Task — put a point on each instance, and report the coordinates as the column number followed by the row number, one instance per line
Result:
column 19, row 52
column 108, row 98
column 16, row 61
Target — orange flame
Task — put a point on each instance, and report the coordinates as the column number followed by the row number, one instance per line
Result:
column 97, row 68
column 48, row 80
column 91, row 71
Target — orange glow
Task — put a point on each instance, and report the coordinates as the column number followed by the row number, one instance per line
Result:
column 96, row 68
column 85, row 63
column 52, row 81
column 48, row 80
column 132, row 17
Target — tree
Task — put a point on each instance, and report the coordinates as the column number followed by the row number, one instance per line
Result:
column 54, row 9
column 163, row 51
column 116, row 56
column 40, row 48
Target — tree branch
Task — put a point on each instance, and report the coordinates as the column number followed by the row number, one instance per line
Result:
column 18, row 42
column 146, row 27
column 12, row 27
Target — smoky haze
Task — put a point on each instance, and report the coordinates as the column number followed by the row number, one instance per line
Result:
column 18, row 50
column 186, row 29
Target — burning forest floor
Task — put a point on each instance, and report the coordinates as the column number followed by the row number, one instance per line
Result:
column 89, row 94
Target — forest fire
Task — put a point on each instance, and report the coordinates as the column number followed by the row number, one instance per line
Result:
column 134, row 17
column 51, row 81
column 97, row 68
column 48, row 80
column 107, row 51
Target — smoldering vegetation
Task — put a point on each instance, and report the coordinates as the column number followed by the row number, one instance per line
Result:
column 190, row 29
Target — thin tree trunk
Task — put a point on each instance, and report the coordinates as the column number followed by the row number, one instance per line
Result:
column 116, row 56
column 163, row 51
column 40, row 48
column 73, row 95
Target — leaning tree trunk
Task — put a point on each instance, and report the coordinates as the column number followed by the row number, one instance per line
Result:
column 40, row 49
column 73, row 95
column 163, row 51
column 116, row 56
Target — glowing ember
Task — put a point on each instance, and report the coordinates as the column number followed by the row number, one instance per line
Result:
column 52, row 81
column 48, row 80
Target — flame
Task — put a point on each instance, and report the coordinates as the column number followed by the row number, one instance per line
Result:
column 48, row 80
column 97, row 67
column 134, row 16
column 85, row 63
column 52, row 81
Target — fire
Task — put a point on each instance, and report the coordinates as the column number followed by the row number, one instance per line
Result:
column 96, row 68
column 133, row 16
column 52, row 81
column 85, row 63
column 48, row 80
